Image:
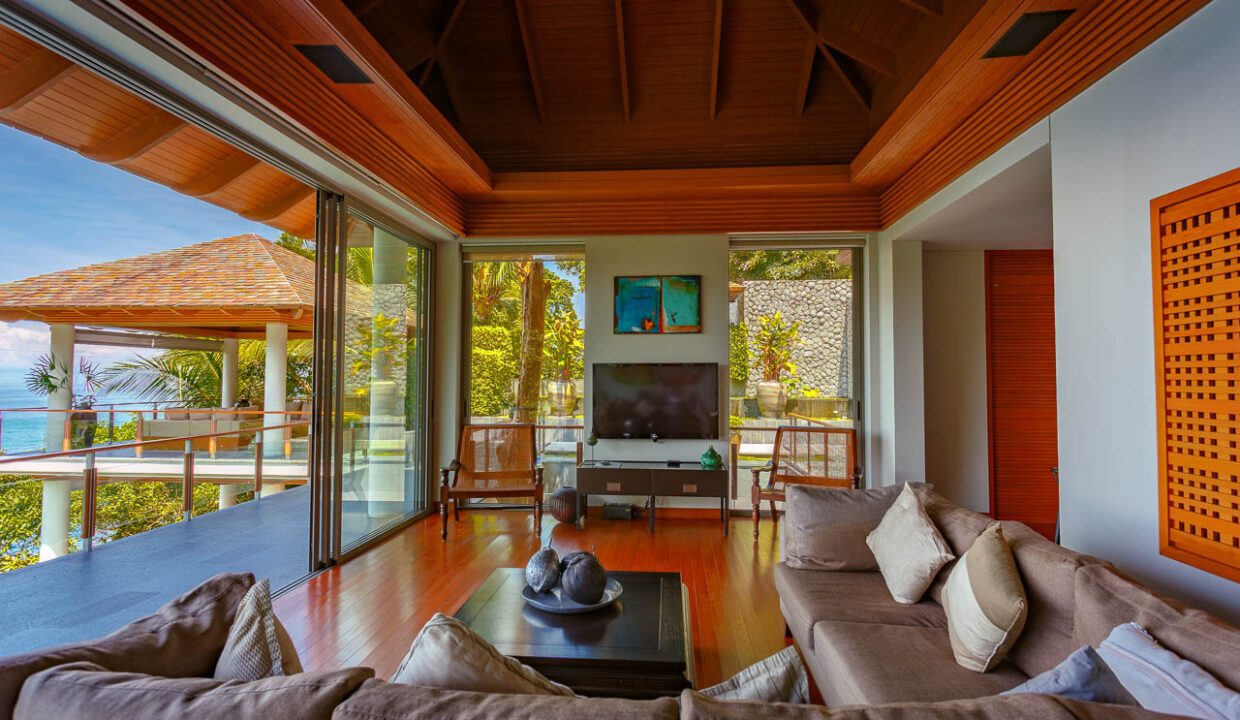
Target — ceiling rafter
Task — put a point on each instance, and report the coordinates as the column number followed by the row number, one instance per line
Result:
column 280, row 204
column 809, row 55
column 624, row 64
column 26, row 80
column 832, row 34
column 442, row 42
column 714, row 59
column 840, row 62
column 527, row 45
column 416, row 50
column 138, row 139
column 222, row 175
column 929, row 7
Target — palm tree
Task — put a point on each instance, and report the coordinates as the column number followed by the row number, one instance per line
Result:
column 192, row 378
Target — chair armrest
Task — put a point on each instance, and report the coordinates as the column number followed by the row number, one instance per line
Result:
column 538, row 477
column 452, row 469
column 757, row 473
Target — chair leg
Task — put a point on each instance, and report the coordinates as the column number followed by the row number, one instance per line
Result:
column 456, row 509
column 538, row 511
column 443, row 515
column 755, row 519
column 774, row 515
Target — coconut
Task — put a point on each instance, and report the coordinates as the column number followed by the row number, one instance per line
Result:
column 583, row 578
column 542, row 572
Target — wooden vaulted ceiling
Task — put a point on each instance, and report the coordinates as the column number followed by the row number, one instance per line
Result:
column 567, row 117
column 46, row 95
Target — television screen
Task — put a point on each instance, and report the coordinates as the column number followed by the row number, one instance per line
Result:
column 656, row 400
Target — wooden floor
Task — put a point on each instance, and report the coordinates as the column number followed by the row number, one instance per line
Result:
column 367, row 611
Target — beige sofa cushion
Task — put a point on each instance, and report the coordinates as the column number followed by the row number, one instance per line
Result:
column 448, row 654
column 1106, row 598
column 908, row 548
column 182, row 639
column 985, row 602
column 825, row 528
column 385, row 701
column 868, row 664
column 695, row 706
column 85, row 691
column 1049, row 575
column 959, row 527
column 811, row 596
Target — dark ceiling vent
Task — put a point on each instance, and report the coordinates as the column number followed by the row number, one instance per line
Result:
column 334, row 63
column 1025, row 34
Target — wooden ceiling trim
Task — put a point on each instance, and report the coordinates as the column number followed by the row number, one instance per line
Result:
column 139, row 138
column 441, row 42
column 530, row 63
column 933, row 8
column 221, row 176
column 30, row 78
column 634, row 217
column 623, row 59
column 279, row 205
column 1086, row 51
column 800, row 180
column 845, row 40
column 716, row 51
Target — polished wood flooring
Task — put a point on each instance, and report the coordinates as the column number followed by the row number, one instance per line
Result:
column 367, row 611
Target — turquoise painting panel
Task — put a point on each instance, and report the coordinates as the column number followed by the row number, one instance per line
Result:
column 637, row 305
column 682, row 304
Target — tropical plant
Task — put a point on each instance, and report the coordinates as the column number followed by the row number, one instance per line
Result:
column 192, row 378
column 738, row 353
column 773, row 344
column 789, row 265
column 564, row 350
column 47, row 376
column 493, row 365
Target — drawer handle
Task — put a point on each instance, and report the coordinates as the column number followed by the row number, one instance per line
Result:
column 688, row 488
column 613, row 487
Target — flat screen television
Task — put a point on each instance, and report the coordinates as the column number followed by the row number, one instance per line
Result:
column 656, row 401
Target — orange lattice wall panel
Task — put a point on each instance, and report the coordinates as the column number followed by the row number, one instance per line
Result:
column 1196, row 251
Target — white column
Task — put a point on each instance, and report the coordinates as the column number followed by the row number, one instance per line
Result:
column 901, row 438
column 228, row 398
column 55, row 538
column 275, row 383
column 385, row 482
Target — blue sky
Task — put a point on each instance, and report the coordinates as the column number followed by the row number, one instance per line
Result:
column 59, row 210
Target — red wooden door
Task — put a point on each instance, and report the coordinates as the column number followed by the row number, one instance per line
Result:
column 1020, row 369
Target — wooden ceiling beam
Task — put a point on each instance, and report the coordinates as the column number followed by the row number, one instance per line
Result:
column 714, row 59
column 868, row 53
column 280, row 204
column 848, row 72
column 220, row 176
column 624, row 65
column 808, row 56
column 442, row 42
column 29, row 78
column 930, row 7
column 527, row 45
column 139, row 138
column 417, row 49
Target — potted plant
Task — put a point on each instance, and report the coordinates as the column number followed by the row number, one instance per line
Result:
column 47, row 376
column 773, row 344
column 564, row 348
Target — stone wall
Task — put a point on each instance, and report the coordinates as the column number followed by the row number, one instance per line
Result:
column 825, row 310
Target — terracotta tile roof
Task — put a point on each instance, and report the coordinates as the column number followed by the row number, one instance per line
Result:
column 241, row 272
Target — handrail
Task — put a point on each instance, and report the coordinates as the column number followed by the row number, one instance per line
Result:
column 143, row 443
column 192, row 411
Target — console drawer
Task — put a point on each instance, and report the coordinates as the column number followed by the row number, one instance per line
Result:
column 690, row 483
column 613, row 481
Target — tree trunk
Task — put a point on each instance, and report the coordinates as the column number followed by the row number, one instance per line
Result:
column 533, row 329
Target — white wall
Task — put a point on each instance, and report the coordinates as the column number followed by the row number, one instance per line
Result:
column 954, row 328
column 446, row 407
column 899, row 442
column 1165, row 119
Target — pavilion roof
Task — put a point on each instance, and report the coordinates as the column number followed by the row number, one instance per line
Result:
column 230, row 287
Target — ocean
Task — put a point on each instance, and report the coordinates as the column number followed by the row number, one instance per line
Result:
column 25, row 432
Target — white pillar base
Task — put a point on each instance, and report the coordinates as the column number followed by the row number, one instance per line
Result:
column 55, row 537
column 228, row 495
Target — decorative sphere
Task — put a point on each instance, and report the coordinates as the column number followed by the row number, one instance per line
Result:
column 563, row 505
column 542, row 572
column 583, row 578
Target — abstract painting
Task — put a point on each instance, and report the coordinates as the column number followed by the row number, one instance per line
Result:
column 658, row 304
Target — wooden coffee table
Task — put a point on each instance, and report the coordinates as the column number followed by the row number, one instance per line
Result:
column 638, row 648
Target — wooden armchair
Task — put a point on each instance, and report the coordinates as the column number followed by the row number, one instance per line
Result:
column 492, row 461
column 806, row 456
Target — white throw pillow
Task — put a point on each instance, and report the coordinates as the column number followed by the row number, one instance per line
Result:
column 779, row 678
column 908, row 548
column 1165, row 682
column 258, row 646
column 447, row 654
column 985, row 602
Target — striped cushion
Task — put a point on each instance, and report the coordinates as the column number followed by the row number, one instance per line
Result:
column 1165, row 682
column 985, row 602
